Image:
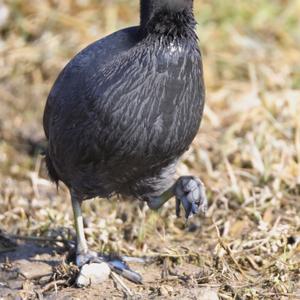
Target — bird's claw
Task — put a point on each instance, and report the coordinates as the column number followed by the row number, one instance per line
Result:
column 87, row 258
column 116, row 264
column 190, row 193
column 120, row 267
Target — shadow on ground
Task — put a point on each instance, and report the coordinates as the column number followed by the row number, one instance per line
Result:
column 23, row 265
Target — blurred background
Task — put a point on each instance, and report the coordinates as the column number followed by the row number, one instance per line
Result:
column 247, row 151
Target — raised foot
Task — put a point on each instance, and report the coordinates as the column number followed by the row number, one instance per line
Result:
column 190, row 192
column 93, row 268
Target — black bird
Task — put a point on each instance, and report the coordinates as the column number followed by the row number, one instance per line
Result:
column 123, row 111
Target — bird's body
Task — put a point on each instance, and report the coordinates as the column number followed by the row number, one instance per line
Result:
column 124, row 110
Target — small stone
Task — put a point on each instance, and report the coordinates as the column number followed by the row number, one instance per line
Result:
column 163, row 291
column 166, row 290
column 33, row 270
column 94, row 273
column 207, row 294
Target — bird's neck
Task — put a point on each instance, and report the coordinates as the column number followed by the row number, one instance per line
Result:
column 167, row 17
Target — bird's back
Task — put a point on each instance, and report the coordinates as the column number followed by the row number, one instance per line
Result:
column 85, row 65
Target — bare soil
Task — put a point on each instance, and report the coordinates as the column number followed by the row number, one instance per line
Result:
column 32, row 271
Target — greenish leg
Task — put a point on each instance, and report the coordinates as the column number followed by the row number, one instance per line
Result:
column 157, row 202
column 78, row 220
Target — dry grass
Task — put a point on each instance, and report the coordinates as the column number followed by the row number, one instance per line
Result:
column 247, row 151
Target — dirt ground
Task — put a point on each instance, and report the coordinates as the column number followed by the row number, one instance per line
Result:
column 247, row 153
column 159, row 282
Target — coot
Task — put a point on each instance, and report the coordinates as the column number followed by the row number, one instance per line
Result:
column 123, row 111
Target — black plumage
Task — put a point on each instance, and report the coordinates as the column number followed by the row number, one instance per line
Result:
column 127, row 107
column 124, row 110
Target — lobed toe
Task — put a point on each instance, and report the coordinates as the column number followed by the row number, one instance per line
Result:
column 190, row 193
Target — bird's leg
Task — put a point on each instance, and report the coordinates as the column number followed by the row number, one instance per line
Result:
column 83, row 254
column 157, row 202
column 188, row 191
